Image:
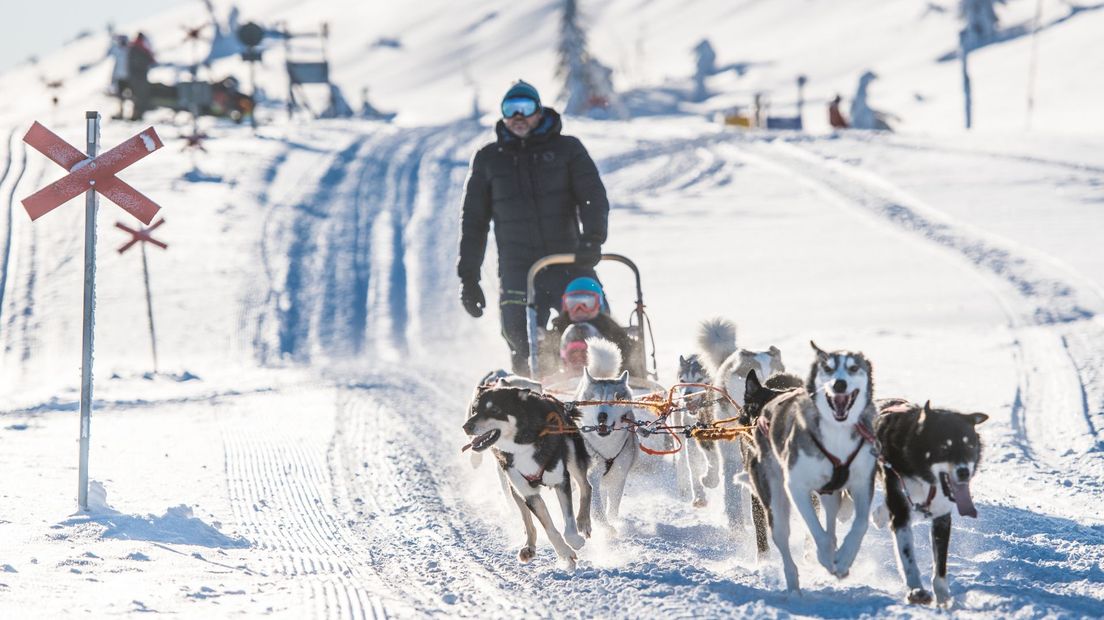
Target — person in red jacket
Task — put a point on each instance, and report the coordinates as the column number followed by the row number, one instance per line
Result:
column 139, row 60
column 835, row 117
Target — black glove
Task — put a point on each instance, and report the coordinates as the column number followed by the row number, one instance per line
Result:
column 588, row 254
column 472, row 297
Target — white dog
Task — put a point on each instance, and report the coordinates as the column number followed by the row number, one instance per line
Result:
column 611, row 448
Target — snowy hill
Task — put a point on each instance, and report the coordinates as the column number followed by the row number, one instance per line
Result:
column 429, row 61
column 297, row 455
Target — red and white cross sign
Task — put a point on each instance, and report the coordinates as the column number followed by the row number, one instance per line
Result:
column 141, row 235
column 85, row 174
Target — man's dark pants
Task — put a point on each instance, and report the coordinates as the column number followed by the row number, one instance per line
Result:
column 549, row 285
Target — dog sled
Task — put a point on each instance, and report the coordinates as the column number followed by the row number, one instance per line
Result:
column 545, row 363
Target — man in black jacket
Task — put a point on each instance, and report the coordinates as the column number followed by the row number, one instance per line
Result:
column 543, row 193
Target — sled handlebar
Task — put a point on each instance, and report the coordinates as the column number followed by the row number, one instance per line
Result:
column 531, row 299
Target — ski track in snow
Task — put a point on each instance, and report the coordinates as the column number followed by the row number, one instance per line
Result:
column 913, row 145
column 280, row 493
column 5, row 257
column 347, row 246
column 1057, row 409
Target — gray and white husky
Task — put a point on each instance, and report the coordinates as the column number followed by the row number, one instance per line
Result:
column 929, row 458
column 690, row 462
column 730, row 368
column 814, row 441
column 610, row 448
column 512, row 422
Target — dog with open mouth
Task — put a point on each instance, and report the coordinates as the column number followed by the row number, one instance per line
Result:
column 817, row 440
column 493, row 379
column 537, row 445
column 929, row 457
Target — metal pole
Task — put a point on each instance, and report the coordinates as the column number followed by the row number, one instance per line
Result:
column 149, row 306
column 1032, row 66
column 93, row 129
column 253, row 95
column 962, row 52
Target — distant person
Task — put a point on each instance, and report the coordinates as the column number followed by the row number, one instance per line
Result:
column 139, row 60
column 835, row 117
column 120, row 71
column 542, row 192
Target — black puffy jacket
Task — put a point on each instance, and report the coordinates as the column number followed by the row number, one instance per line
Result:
column 543, row 194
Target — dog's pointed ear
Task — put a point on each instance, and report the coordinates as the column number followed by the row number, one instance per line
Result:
column 751, row 384
column 682, row 361
column 923, row 415
column 820, row 353
column 977, row 418
column 624, row 378
column 774, row 351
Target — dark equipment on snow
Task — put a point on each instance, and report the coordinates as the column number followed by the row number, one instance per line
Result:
column 250, row 34
column 221, row 99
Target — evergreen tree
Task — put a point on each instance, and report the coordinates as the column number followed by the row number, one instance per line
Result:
column 587, row 83
column 705, row 65
column 979, row 20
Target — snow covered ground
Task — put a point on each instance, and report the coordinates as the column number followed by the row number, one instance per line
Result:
column 298, row 454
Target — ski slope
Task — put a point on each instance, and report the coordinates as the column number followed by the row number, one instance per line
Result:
column 298, row 454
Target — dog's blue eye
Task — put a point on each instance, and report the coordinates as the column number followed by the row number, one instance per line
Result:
column 853, row 369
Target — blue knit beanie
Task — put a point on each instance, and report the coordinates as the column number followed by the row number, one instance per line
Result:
column 521, row 88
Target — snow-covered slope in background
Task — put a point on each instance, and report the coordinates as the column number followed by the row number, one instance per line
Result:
column 298, row 455
column 428, row 61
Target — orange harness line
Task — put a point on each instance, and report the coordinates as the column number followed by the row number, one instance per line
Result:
column 664, row 405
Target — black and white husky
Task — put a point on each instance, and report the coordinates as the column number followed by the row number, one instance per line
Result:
column 730, row 368
column 814, row 440
column 929, row 458
column 499, row 378
column 515, row 422
column 611, row 448
column 756, row 396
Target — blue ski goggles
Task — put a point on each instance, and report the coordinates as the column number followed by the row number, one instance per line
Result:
column 518, row 105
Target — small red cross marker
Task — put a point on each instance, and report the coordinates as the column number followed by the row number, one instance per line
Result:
column 195, row 141
column 141, row 235
column 85, row 174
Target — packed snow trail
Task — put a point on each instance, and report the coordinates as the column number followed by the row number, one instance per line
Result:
column 439, row 536
column 343, row 473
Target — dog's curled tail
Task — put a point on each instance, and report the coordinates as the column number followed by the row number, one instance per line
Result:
column 717, row 338
column 603, row 358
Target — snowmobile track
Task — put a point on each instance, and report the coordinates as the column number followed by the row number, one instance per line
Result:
column 6, row 251
column 1054, row 406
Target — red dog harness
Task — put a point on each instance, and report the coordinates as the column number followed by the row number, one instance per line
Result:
column 841, row 470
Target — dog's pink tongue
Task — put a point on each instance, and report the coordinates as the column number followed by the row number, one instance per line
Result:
column 840, row 403
column 963, row 500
